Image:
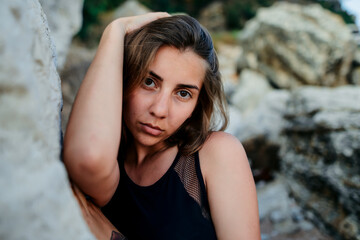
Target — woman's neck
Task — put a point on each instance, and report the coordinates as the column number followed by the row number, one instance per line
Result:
column 138, row 154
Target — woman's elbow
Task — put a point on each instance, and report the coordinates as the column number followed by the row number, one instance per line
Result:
column 86, row 162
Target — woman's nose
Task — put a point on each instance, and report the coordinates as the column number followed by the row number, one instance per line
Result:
column 160, row 105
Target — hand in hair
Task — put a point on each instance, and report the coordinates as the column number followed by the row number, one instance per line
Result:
column 129, row 24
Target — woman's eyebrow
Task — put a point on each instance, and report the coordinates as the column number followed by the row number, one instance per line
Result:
column 188, row 86
column 155, row 76
column 179, row 85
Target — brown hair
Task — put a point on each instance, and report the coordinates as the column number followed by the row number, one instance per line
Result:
column 184, row 33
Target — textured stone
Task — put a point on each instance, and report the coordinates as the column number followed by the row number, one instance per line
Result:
column 227, row 55
column 294, row 45
column 320, row 156
column 355, row 76
column 212, row 17
column 260, row 130
column 64, row 19
column 281, row 211
column 130, row 8
column 36, row 200
column 251, row 89
column 77, row 63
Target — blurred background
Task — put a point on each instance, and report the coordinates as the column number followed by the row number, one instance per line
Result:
column 291, row 72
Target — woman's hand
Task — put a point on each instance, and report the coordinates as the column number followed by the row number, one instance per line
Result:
column 130, row 24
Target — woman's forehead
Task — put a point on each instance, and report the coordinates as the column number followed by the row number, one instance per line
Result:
column 183, row 66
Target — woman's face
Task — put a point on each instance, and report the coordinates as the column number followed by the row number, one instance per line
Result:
column 166, row 97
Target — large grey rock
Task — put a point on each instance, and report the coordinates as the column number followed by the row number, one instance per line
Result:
column 227, row 55
column 281, row 211
column 266, row 120
column 126, row 9
column 294, row 45
column 36, row 201
column 260, row 129
column 77, row 64
column 249, row 92
column 355, row 76
column 65, row 19
column 130, row 8
column 320, row 157
column 235, row 120
column 212, row 17
column 273, row 197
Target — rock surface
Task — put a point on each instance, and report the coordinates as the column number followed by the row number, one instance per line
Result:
column 280, row 216
column 64, row 19
column 212, row 17
column 130, row 8
column 78, row 61
column 294, row 45
column 249, row 92
column 260, row 130
column 320, row 157
column 36, row 200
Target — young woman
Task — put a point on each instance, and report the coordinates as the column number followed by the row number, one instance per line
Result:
column 151, row 158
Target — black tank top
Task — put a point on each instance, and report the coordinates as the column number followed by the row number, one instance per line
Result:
column 174, row 207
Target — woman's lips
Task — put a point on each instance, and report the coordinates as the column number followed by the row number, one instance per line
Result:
column 150, row 129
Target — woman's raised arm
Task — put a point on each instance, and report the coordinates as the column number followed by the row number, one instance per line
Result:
column 92, row 137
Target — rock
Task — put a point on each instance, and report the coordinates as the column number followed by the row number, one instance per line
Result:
column 355, row 76
column 235, row 120
column 227, row 55
column 294, row 45
column 279, row 210
column 355, row 32
column 65, row 19
column 330, row 109
column 249, row 92
column 267, row 119
column 77, row 64
column 357, row 58
column 36, row 200
column 273, row 198
column 260, row 130
column 320, row 156
column 130, row 8
column 212, row 17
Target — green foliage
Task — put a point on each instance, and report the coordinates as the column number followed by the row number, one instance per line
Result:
column 228, row 37
column 237, row 12
column 191, row 7
column 91, row 11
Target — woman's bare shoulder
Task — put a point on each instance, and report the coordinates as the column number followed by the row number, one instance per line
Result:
column 230, row 187
column 221, row 144
column 222, row 151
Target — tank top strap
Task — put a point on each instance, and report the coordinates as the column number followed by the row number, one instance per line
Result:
column 189, row 172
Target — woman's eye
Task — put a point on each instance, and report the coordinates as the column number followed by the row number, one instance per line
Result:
column 148, row 82
column 184, row 94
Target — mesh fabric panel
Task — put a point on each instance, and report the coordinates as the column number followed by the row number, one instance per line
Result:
column 186, row 169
